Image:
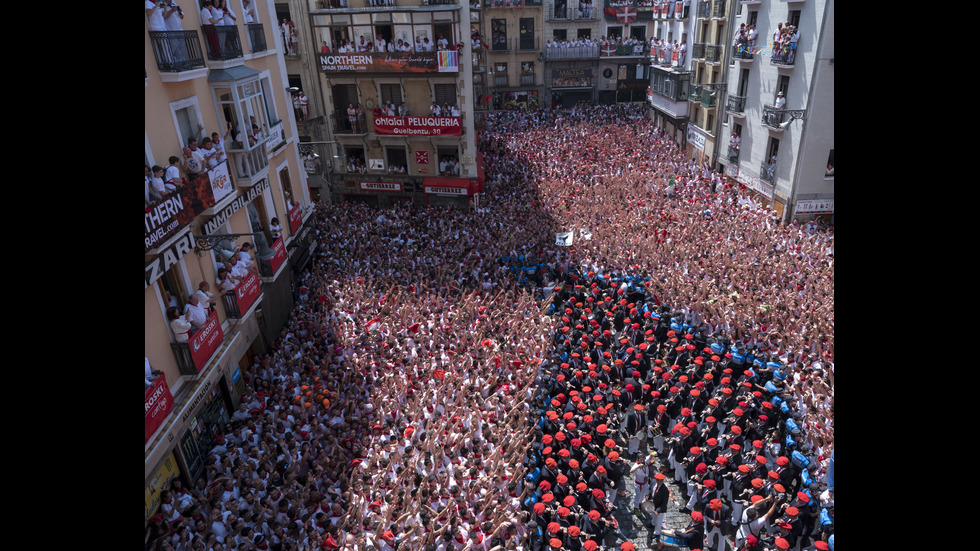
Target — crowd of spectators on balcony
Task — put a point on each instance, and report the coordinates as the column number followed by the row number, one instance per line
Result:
column 745, row 40
column 453, row 380
column 355, row 163
column 446, row 110
column 668, row 53
column 784, row 42
column 449, row 165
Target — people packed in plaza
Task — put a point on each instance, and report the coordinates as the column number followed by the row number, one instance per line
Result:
column 455, row 380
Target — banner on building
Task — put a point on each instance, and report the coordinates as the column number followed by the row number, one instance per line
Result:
column 448, row 61
column 814, row 206
column 380, row 186
column 696, row 137
column 418, row 126
column 571, row 78
column 389, row 62
column 295, row 218
column 157, row 404
column 206, row 341
column 247, row 291
column 279, row 256
column 221, row 185
column 166, row 217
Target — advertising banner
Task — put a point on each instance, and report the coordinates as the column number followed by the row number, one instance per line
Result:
column 295, row 218
column 380, row 186
column 279, row 248
column 417, row 126
column 247, row 291
column 205, row 341
column 390, row 62
column 165, row 217
column 157, row 403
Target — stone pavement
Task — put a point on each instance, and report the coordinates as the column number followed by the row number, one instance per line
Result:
column 635, row 528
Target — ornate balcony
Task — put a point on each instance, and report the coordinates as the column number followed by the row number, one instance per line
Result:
column 176, row 51
column 222, row 42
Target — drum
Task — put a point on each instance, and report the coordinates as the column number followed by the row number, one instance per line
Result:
column 670, row 540
column 648, row 508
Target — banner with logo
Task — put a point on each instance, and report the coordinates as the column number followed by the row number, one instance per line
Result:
column 157, row 404
column 295, row 218
column 571, row 78
column 247, row 291
column 389, row 62
column 448, row 61
column 279, row 248
column 814, row 206
column 564, row 239
column 206, row 341
column 380, row 186
column 164, row 218
column 221, row 185
column 417, row 126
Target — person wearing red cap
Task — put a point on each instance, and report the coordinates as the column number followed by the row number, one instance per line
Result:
column 659, row 497
column 717, row 522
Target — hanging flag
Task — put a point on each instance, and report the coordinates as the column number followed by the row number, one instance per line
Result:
column 625, row 15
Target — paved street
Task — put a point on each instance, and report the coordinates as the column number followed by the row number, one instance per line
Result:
column 635, row 528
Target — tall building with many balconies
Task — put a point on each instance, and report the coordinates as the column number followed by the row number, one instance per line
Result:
column 204, row 202
column 571, row 52
column 779, row 111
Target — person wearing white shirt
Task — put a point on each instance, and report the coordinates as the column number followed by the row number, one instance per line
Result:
column 228, row 17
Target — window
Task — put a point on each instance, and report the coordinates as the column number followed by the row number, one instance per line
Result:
column 711, row 123
column 355, row 159
column 392, row 93
column 526, row 27
column 753, row 16
column 397, row 160
column 638, row 32
column 782, row 86
column 830, row 165
column 187, row 118
column 794, row 18
column 445, row 94
column 585, row 33
column 614, row 30
column 743, row 83
column 561, row 34
column 773, row 151
column 719, row 35
column 344, row 97
column 245, row 106
column 498, row 34
column 287, row 187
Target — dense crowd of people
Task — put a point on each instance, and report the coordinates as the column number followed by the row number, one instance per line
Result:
column 455, row 380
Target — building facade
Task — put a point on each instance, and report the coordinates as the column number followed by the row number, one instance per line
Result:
column 512, row 32
column 398, row 94
column 571, row 52
column 779, row 111
column 218, row 81
column 711, row 29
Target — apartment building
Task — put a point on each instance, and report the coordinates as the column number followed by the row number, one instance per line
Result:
column 779, row 110
column 220, row 77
